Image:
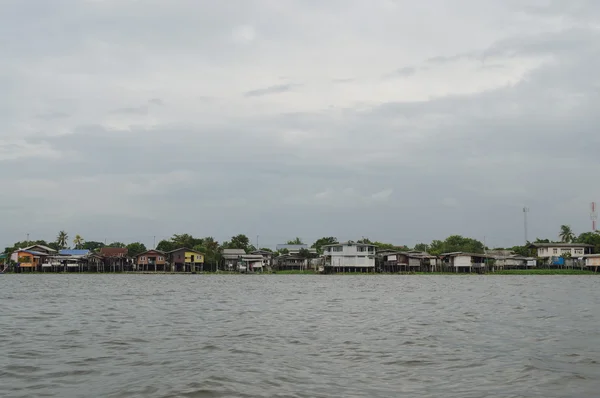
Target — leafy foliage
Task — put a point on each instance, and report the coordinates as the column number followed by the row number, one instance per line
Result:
column 92, row 246
column 62, row 239
column 319, row 243
column 456, row 243
column 296, row 241
column 120, row 245
column 78, row 241
column 566, row 234
column 133, row 249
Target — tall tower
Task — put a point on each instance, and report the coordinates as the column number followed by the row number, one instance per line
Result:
column 593, row 215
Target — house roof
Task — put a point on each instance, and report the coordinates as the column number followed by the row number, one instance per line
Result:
column 46, row 248
column 291, row 247
column 75, row 252
column 32, row 252
column 184, row 249
column 262, row 252
column 455, row 254
column 237, row 252
column 151, row 251
column 114, row 251
column 252, row 257
column 349, row 243
column 560, row 244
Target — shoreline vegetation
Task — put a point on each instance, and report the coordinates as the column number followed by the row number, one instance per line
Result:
column 542, row 271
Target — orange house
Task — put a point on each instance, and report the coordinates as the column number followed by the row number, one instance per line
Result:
column 29, row 259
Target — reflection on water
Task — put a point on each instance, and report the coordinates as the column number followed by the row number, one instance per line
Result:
column 299, row 336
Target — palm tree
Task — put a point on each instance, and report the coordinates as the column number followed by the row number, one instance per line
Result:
column 78, row 241
column 61, row 239
column 566, row 234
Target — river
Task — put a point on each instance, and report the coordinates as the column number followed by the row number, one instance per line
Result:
column 299, row 336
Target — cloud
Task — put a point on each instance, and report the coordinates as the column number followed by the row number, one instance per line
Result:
column 277, row 89
column 137, row 109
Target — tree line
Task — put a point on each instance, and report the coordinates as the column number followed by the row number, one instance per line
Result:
column 212, row 249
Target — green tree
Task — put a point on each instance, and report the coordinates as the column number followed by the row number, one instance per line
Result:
column 296, row 241
column 92, row 245
column 566, row 234
column 133, row 249
column 422, row 247
column 240, row 241
column 185, row 240
column 120, row 245
column 456, row 243
column 165, row 245
column 590, row 238
column 319, row 243
column 78, row 241
column 62, row 239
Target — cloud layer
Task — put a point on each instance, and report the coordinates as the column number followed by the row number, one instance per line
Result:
column 389, row 119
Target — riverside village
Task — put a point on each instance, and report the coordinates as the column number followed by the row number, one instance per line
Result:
column 186, row 254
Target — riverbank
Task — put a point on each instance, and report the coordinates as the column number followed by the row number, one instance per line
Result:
column 502, row 272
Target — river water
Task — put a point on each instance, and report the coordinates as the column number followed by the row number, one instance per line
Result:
column 299, row 336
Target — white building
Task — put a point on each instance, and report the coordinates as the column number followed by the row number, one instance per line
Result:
column 549, row 250
column 350, row 257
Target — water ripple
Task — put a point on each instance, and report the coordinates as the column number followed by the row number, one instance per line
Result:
column 299, row 336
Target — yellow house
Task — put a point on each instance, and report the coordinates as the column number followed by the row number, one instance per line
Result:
column 186, row 260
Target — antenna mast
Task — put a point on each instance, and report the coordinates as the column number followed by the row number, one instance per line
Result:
column 525, row 211
column 593, row 215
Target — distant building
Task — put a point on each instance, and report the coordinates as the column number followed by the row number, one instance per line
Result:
column 550, row 250
column 295, row 249
column 349, row 257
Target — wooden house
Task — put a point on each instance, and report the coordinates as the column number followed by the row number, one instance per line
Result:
column 251, row 263
column 151, row 260
column 267, row 258
column 231, row 258
column 592, row 261
column 116, row 259
column 28, row 260
column 465, row 262
column 186, row 260
column 290, row 262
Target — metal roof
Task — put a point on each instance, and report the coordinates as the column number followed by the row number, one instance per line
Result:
column 560, row 244
column 73, row 252
column 350, row 243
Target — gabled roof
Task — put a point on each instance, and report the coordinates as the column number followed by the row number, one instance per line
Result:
column 114, row 251
column 262, row 252
column 349, row 243
column 32, row 252
column 291, row 247
column 46, row 248
column 559, row 244
column 151, row 251
column 184, row 249
column 238, row 252
column 455, row 254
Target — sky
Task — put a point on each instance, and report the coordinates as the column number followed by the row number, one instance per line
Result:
column 400, row 121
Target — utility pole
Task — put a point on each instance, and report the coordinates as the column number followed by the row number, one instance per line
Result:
column 28, row 237
column 154, row 246
column 257, row 243
column 525, row 211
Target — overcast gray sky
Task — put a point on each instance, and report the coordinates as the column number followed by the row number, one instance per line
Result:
column 398, row 120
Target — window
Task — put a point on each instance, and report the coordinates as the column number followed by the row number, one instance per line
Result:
column 565, row 251
column 143, row 258
column 336, row 248
column 555, row 251
column 160, row 258
column 578, row 251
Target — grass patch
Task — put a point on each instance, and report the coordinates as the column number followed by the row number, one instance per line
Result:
column 544, row 271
